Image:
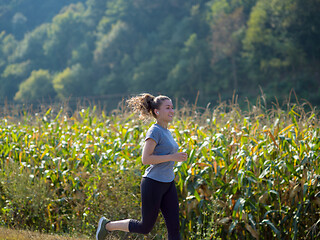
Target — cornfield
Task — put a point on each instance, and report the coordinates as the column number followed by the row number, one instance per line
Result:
column 250, row 174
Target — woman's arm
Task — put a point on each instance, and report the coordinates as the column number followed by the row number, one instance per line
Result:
column 149, row 158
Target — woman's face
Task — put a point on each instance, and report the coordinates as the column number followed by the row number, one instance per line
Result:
column 165, row 112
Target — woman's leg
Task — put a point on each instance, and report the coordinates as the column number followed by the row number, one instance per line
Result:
column 151, row 194
column 154, row 195
column 170, row 211
column 122, row 225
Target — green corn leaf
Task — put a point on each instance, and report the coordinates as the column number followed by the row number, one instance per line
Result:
column 238, row 206
column 265, row 172
column 270, row 224
column 218, row 152
column 196, row 194
column 232, row 226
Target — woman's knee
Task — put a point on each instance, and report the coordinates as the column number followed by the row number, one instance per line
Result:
column 140, row 227
column 146, row 229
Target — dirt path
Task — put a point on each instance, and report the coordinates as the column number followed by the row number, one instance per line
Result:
column 10, row 234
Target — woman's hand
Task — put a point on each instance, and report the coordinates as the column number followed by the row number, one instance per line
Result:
column 149, row 158
column 180, row 156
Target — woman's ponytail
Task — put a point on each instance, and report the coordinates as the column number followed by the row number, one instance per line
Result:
column 145, row 104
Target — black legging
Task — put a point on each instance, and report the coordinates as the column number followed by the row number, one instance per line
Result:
column 157, row 196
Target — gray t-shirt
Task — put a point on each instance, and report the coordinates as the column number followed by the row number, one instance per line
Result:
column 162, row 172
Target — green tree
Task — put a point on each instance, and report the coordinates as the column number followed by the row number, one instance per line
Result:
column 274, row 51
column 136, row 12
column 74, row 81
column 226, row 40
column 227, row 21
column 112, row 46
column 96, row 10
column 67, row 31
column 12, row 76
column 304, row 27
column 160, row 52
column 10, row 72
column 267, row 38
column 31, row 47
column 8, row 44
column 19, row 17
column 111, row 84
column 150, row 75
column 110, row 58
column 37, row 87
column 177, row 47
column 18, row 24
column 191, row 72
column 2, row 49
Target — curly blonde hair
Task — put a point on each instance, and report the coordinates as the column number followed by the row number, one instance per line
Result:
column 145, row 104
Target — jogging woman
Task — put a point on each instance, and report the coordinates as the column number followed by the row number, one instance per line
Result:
column 158, row 191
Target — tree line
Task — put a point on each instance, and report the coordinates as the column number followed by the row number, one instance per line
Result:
column 57, row 49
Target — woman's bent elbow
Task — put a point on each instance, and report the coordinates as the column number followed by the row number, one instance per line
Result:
column 144, row 161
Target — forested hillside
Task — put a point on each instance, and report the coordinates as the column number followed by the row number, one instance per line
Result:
column 57, row 49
